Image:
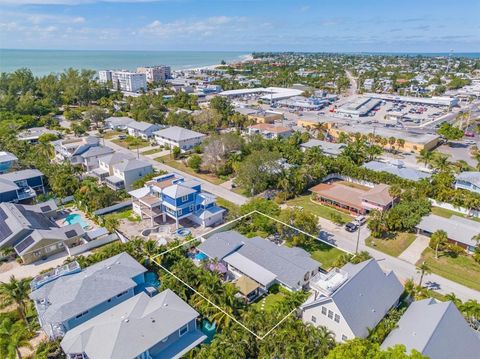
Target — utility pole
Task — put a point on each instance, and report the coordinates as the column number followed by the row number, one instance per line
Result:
column 358, row 239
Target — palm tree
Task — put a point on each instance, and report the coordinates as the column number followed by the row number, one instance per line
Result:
column 425, row 156
column 438, row 238
column 423, row 269
column 13, row 336
column 16, row 291
column 454, row 299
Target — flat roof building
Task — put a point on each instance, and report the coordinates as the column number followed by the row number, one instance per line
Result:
column 397, row 168
column 435, row 100
column 358, row 108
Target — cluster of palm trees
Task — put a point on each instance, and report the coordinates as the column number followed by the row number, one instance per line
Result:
column 16, row 329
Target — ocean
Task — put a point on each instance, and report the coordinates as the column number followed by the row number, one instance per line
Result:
column 43, row 62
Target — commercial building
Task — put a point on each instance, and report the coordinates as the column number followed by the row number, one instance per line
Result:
column 172, row 196
column 414, row 141
column 261, row 260
column 105, row 76
column 21, row 185
column 460, row 231
column 354, row 198
column 269, row 94
column 264, row 116
column 435, row 329
column 303, row 103
column 469, row 181
column 358, row 108
column 158, row 73
column 431, row 101
column 179, row 137
column 77, row 296
column 270, row 131
column 129, row 81
column 143, row 327
column 351, row 300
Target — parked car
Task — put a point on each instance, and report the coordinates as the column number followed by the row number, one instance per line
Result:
column 469, row 134
column 351, row 227
column 360, row 220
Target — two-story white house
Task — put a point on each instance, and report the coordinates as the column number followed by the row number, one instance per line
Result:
column 180, row 137
column 143, row 130
column 351, row 300
column 127, row 171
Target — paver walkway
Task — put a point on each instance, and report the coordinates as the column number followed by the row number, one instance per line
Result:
column 414, row 251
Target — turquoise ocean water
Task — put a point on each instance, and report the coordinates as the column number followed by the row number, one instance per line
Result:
column 43, row 62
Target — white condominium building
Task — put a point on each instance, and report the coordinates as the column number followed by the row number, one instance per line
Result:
column 105, row 75
column 155, row 73
column 128, row 81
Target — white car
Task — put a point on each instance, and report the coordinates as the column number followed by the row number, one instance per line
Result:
column 360, row 220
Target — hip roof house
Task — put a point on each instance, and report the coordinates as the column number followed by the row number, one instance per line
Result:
column 163, row 326
column 72, row 299
column 20, row 185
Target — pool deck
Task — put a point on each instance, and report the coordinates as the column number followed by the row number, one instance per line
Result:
column 62, row 215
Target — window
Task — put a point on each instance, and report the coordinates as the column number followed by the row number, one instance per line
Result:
column 344, row 337
column 324, row 311
column 337, row 318
column 314, row 319
column 192, row 208
column 184, row 198
column 164, row 339
column 123, row 293
column 179, row 212
column 81, row 314
column 330, row 314
column 182, row 331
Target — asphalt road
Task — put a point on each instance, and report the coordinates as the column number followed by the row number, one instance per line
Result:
column 217, row 190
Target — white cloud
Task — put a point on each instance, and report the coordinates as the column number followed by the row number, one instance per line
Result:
column 206, row 27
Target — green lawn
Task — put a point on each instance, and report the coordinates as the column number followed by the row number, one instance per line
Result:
column 324, row 253
column 392, row 246
column 111, row 134
column 270, row 300
column 462, row 269
column 130, row 143
column 316, row 208
column 181, row 167
column 227, row 204
column 126, row 214
column 448, row 213
column 151, row 152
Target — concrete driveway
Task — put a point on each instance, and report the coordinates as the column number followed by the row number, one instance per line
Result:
column 414, row 251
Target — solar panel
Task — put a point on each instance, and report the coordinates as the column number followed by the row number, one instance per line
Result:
column 3, row 215
column 27, row 242
column 71, row 233
column 5, row 230
column 36, row 220
column 46, row 208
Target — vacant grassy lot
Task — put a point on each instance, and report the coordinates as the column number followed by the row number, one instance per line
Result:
column 126, row 214
column 392, row 246
column 169, row 161
column 151, row 152
column 318, row 209
column 111, row 134
column 462, row 269
column 269, row 301
column 448, row 213
column 131, row 143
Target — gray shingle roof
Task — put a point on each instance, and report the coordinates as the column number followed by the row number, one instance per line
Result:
column 119, row 121
column 329, row 148
column 397, row 170
column 21, row 175
column 76, row 293
column 435, row 329
column 365, row 297
column 177, row 191
column 116, row 157
column 142, row 126
column 176, row 133
column 7, row 156
column 472, row 177
column 289, row 265
column 96, row 151
column 458, row 229
column 130, row 328
column 131, row 164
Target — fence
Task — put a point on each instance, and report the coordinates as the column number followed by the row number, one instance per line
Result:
column 92, row 244
column 113, row 208
column 451, row 207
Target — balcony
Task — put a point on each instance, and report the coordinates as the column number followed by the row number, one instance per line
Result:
column 58, row 272
column 115, row 183
column 328, row 283
column 25, row 193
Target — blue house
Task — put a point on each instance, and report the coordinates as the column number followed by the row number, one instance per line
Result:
column 75, row 297
column 142, row 327
column 7, row 160
column 21, row 185
column 469, row 181
column 172, row 196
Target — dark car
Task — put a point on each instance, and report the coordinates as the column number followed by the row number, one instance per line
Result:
column 351, row 227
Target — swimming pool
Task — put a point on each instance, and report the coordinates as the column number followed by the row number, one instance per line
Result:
column 74, row 218
column 200, row 256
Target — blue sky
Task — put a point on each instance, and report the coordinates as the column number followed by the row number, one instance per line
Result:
column 242, row 25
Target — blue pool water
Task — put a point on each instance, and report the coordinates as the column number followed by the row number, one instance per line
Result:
column 151, row 279
column 200, row 256
column 76, row 218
